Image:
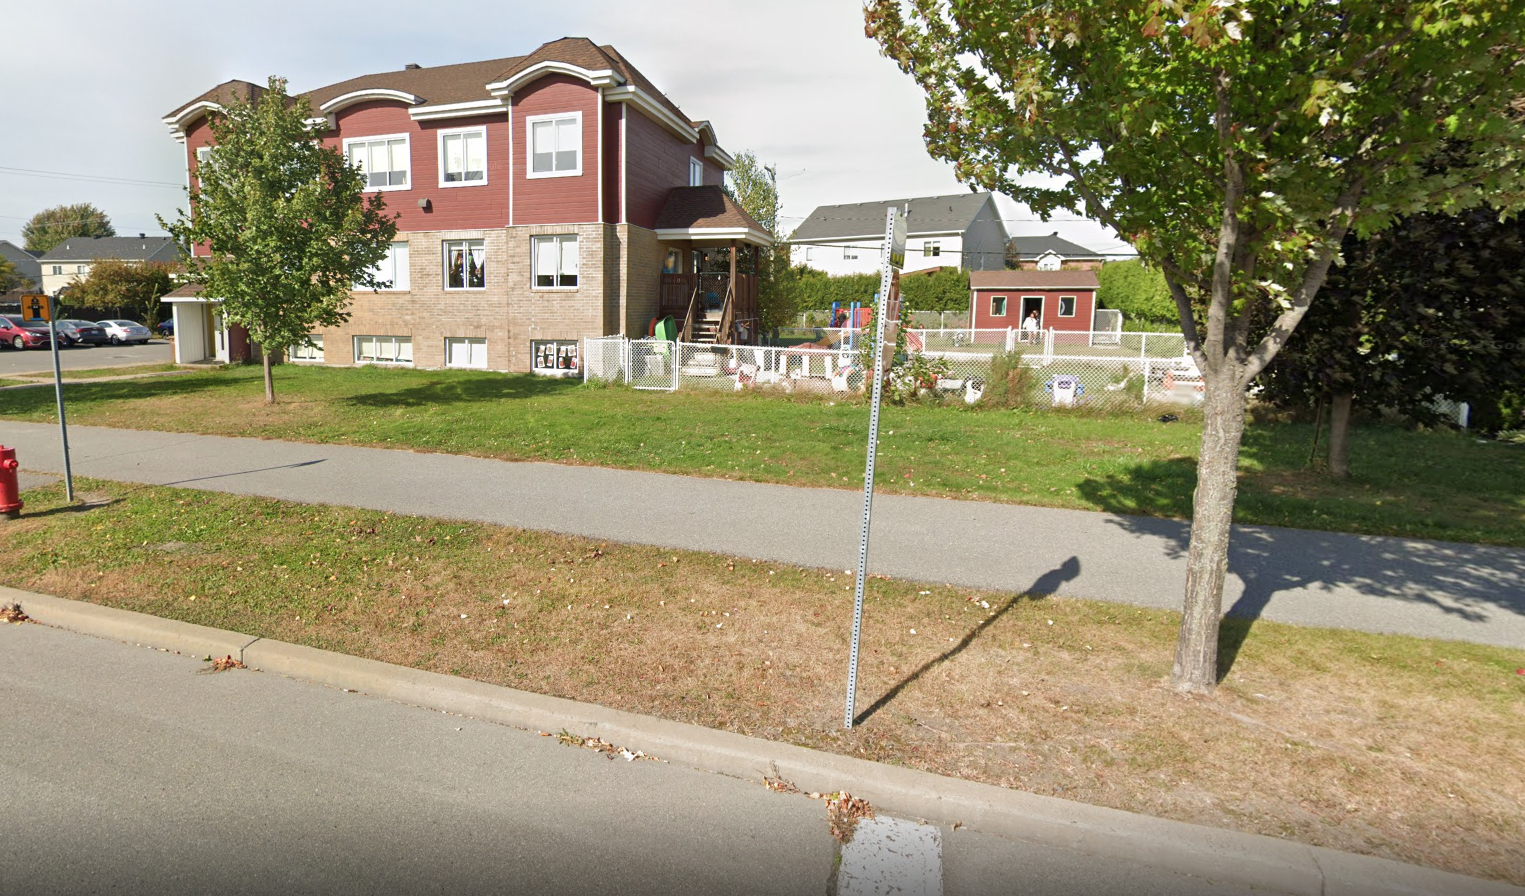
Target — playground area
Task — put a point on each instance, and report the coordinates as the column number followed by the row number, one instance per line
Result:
column 1099, row 369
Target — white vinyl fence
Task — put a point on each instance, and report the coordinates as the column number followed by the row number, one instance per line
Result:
column 1054, row 369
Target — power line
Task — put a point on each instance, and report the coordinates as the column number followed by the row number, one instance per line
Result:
column 90, row 178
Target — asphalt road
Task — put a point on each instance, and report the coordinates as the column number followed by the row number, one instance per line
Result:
column 135, row 771
column 1406, row 586
column 81, row 357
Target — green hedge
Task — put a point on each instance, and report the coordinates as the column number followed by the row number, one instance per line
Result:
column 942, row 290
column 1138, row 292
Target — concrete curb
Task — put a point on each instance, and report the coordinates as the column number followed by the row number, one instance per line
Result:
column 1226, row 856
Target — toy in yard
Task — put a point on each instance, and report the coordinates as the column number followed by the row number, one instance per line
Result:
column 1068, row 391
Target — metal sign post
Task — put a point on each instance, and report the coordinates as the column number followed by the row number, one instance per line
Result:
column 58, row 390
column 889, row 286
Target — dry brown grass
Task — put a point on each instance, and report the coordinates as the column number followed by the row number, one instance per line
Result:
column 1391, row 746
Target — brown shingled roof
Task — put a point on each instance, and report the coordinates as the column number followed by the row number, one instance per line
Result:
column 463, row 82
column 707, row 206
column 188, row 291
column 1032, row 279
column 460, row 83
column 224, row 94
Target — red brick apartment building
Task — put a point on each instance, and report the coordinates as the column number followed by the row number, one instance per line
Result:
column 541, row 199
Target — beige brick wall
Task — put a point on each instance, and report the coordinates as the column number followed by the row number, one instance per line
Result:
column 618, row 283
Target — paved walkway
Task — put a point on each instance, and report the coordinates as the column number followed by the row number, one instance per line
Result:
column 1407, row 586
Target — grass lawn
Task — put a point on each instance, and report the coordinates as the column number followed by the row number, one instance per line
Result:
column 1391, row 746
column 1436, row 485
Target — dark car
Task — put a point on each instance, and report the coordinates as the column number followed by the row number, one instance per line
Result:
column 166, row 327
column 18, row 333
column 77, row 332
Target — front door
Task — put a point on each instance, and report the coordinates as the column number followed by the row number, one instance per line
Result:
column 219, row 326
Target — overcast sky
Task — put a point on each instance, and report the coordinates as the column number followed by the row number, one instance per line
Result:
column 794, row 81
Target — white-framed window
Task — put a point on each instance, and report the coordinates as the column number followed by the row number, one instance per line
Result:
column 311, row 350
column 202, row 154
column 383, row 350
column 555, row 145
column 58, row 269
column 463, row 157
column 695, row 173
column 1066, row 306
column 385, row 161
column 391, row 272
column 849, row 253
column 1048, row 261
column 463, row 351
column 931, row 248
column 465, row 264
column 82, row 269
column 997, row 306
column 810, row 253
column 555, row 260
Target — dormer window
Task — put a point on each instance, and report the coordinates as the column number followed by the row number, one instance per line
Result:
column 555, row 145
column 383, row 160
column 463, row 157
column 1048, row 261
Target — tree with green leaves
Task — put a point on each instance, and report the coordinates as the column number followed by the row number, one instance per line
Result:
column 754, row 186
column 287, row 223
column 10, row 278
column 131, row 289
column 1234, row 143
column 1135, row 289
column 1433, row 308
column 52, row 226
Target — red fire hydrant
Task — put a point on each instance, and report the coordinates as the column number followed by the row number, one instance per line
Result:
column 10, row 488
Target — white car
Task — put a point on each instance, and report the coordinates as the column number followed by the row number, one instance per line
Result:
column 120, row 331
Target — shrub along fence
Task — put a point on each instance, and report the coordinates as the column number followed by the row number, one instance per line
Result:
column 997, row 368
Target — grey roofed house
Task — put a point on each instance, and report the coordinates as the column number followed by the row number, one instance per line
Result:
column 963, row 228
column 124, row 248
column 26, row 263
column 865, row 220
column 1032, row 248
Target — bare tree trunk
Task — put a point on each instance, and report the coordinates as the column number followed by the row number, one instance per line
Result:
column 1196, row 662
column 1339, row 435
column 269, row 380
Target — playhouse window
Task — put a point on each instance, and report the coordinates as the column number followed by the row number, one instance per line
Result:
column 997, row 306
column 1066, row 306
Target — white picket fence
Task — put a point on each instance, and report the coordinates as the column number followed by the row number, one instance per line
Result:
column 1064, row 369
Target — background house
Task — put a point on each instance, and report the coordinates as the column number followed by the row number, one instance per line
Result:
column 1050, row 253
column 27, row 265
column 69, row 262
column 1065, row 300
column 541, row 199
column 963, row 230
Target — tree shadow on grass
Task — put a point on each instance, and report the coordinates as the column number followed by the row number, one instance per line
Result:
column 451, row 389
column 1046, row 584
column 42, row 400
column 1310, row 569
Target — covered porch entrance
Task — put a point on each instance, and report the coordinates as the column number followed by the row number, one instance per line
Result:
column 709, row 283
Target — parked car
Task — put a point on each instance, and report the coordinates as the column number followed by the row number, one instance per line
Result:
column 18, row 333
column 120, row 331
column 166, row 327
column 75, row 332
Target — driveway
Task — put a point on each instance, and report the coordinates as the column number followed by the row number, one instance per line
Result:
column 32, row 360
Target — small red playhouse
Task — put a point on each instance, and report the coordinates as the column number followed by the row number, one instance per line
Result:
column 1063, row 300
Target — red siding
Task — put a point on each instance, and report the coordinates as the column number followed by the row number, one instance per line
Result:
column 1085, row 302
column 557, row 200
column 657, row 162
column 197, row 135
column 612, row 113
column 450, row 208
